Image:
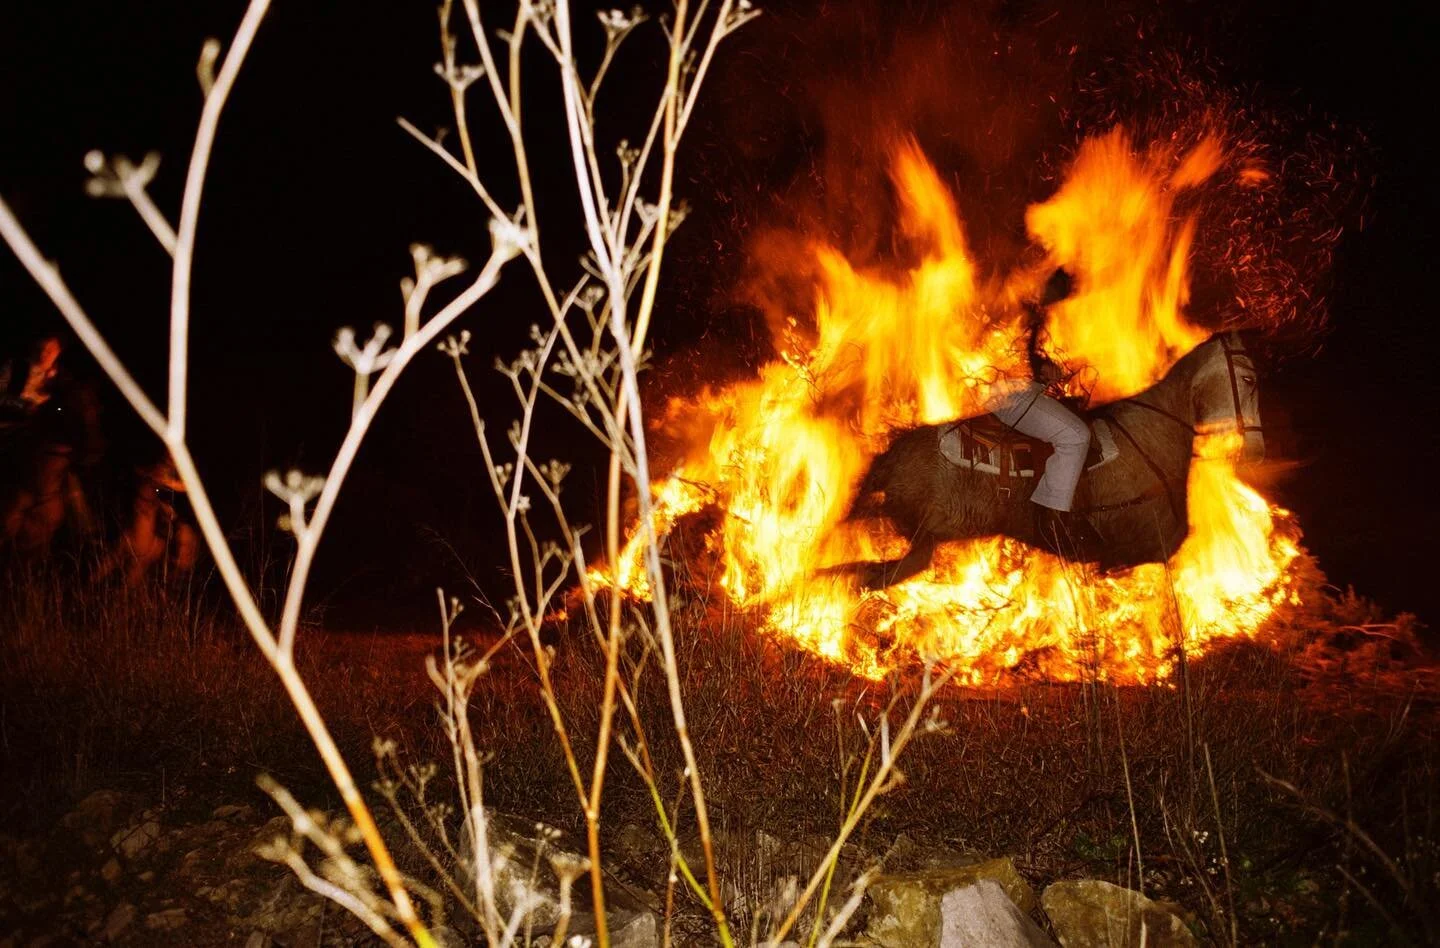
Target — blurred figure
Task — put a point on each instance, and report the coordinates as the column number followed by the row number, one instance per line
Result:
column 49, row 438
column 25, row 384
column 160, row 529
column 1028, row 406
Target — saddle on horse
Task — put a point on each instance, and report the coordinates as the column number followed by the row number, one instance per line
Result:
column 988, row 445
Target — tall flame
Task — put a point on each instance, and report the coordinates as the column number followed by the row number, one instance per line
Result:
column 924, row 342
column 1110, row 224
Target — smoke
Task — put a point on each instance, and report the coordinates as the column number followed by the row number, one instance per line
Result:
column 1000, row 95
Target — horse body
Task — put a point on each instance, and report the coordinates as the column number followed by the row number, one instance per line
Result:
column 1136, row 500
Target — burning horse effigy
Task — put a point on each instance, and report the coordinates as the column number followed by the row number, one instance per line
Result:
column 853, row 415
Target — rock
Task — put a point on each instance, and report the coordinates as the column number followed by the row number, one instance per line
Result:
column 97, row 816
column 523, row 856
column 905, row 906
column 258, row 940
column 33, row 904
column 944, row 857
column 212, row 830
column 627, row 929
column 111, row 871
column 27, row 859
column 642, row 931
column 446, row 937
column 307, row 933
column 1088, row 913
column 630, row 922
column 134, row 840
column 527, row 859
column 230, row 810
column 166, row 919
column 92, row 919
column 192, row 863
column 280, row 907
column 982, row 916
column 763, row 873
column 118, row 920
column 275, row 826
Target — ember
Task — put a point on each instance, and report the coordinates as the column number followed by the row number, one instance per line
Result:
column 892, row 346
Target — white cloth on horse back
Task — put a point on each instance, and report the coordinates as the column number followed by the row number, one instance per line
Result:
column 1028, row 410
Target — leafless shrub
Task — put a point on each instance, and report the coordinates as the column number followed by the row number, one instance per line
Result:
column 589, row 366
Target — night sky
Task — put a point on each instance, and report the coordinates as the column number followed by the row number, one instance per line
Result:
column 315, row 194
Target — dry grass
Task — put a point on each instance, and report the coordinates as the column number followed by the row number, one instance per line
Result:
column 103, row 686
column 1264, row 791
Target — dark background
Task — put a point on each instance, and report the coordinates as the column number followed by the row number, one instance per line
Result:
column 315, row 194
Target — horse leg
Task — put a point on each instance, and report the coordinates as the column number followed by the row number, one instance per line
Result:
column 889, row 572
column 15, row 512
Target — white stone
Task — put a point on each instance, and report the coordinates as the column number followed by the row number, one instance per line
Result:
column 166, row 919
column 982, row 916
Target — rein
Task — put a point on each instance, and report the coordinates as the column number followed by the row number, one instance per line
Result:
column 1156, row 408
column 1163, row 487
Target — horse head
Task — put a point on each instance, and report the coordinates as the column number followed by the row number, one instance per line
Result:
column 1225, row 394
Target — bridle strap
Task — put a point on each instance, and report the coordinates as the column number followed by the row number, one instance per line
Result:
column 1149, row 494
column 1240, row 426
column 1234, row 383
column 1230, row 354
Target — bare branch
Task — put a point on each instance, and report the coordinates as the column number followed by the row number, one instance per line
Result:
column 190, row 211
column 460, row 169
column 45, row 274
column 360, row 424
column 122, row 178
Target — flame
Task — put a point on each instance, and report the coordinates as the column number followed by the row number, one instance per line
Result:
column 891, row 345
column 1109, row 224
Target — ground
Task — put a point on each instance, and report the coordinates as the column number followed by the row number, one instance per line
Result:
column 1288, row 784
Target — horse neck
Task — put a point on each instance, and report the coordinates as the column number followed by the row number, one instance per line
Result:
column 1165, row 435
column 1172, row 394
